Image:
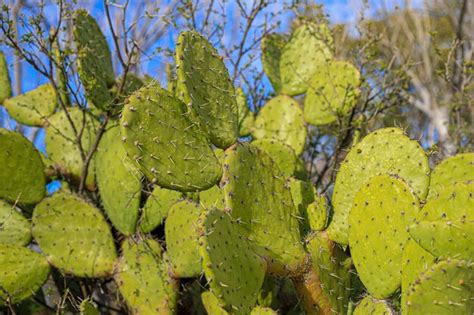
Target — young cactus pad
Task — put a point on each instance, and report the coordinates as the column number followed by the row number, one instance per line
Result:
column 74, row 235
column 14, row 227
column 33, row 107
column 5, row 85
column 204, row 82
column 317, row 213
column 157, row 207
column 272, row 45
column 371, row 306
column 333, row 92
column 385, row 151
column 119, row 182
column 168, row 146
column 21, row 174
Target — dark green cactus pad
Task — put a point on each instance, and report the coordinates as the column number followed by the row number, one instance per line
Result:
column 143, row 279
column 34, row 107
column 446, row 288
column 212, row 198
column 309, row 47
column 371, row 306
column 22, row 273
column 132, row 83
column 88, row 250
column 282, row 154
column 378, row 231
column 93, row 58
column 272, row 45
column 317, row 213
column 333, row 92
column 260, row 310
column 458, row 168
column 385, row 151
column 170, row 149
column 282, row 119
column 303, row 194
column 14, row 227
column 212, row 304
column 182, row 239
column 262, row 203
column 234, row 272
column 87, row 307
column 204, row 82
column 5, row 84
column 246, row 117
column 21, row 174
column 61, row 144
column 119, row 182
column 157, row 207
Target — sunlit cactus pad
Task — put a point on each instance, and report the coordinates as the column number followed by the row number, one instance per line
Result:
column 282, row 154
column 14, row 227
column 272, row 45
column 212, row 304
column 371, row 306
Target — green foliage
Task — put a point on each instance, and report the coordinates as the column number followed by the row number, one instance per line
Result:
column 5, row 85
column 246, row 117
column 317, row 213
column 14, row 227
column 212, row 304
column 371, row 306
column 272, row 45
column 157, row 207
column 281, row 153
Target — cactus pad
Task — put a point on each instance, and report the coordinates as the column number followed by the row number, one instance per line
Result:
column 212, row 304
column 5, row 84
column 212, row 198
column 333, row 92
column 169, row 148
column 303, row 194
column 272, row 45
column 259, row 310
column 282, row 154
column 204, row 82
column 371, row 306
column 235, row 273
column 88, row 250
column 87, row 307
column 246, row 118
column 282, row 119
column 385, row 151
column 14, row 227
column 119, row 182
column 317, row 213
column 157, row 207
column 21, row 174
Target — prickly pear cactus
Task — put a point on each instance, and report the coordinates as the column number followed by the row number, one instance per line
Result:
column 21, row 177
column 234, row 272
column 157, row 207
column 309, row 48
column 87, row 307
column 182, row 239
column 317, row 213
column 23, row 273
column 119, row 182
column 385, row 151
column 259, row 310
column 204, row 83
column 246, row 118
column 282, row 119
column 14, row 227
column 333, row 92
column 371, row 306
column 5, row 85
column 132, row 83
column 212, row 198
column 283, row 155
column 143, row 279
column 303, row 194
column 212, row 304
column 272, row 45
column 168, row 146
column 88, row 250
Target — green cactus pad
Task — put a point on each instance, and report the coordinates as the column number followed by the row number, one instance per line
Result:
column 94, row 60
column 282, row 154
column 317, row 213
column 182, row 239
column 303, row 194
column 385, row 151
column 143, row 279
column 132, row 83
column 212, row 304
column 212, row 198
column 61, row 144
column 157, row 207
column 333, row 92
column 170, row 149
column 261, row 202
column 309, row 47
column 23, row 273
column 34, row 107
column 371, row 306
column 234, row 272
column 203, row 81
column 21, row 177
column 119, row 182
column 259, row 310
column 87, row 307
column 14, row 227
column 378, row 231
column 272, row 45
column 88, row 250
column 246, row 118
column 458, row 168
column 446, row 288
column 282, row 119
column 5, row 85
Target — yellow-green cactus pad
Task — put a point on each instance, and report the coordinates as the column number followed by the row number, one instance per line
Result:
column 34, row 107
column 212, row 304
column 119, row 182
column 22, row 273
column 458, row 168
column 446, row 288
column 21, row 174
column 303, row 194
column 272, row 45
column 5, row 85
column 143, row 279
column 74, row 236
column 157, row 207
column 246, row 118
column 282, row 154
column 385, row 151
column 259, row 310
column 378, row 231
column 182, row 239
column 168, row 146
column 317, row 213
column 371, row 306
column 14, row 227
column 309, row 48
column 212, row 198
column 204, row 82
column 282, row 119
column 261, row 202
column 234, row 272
column 333, row 92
